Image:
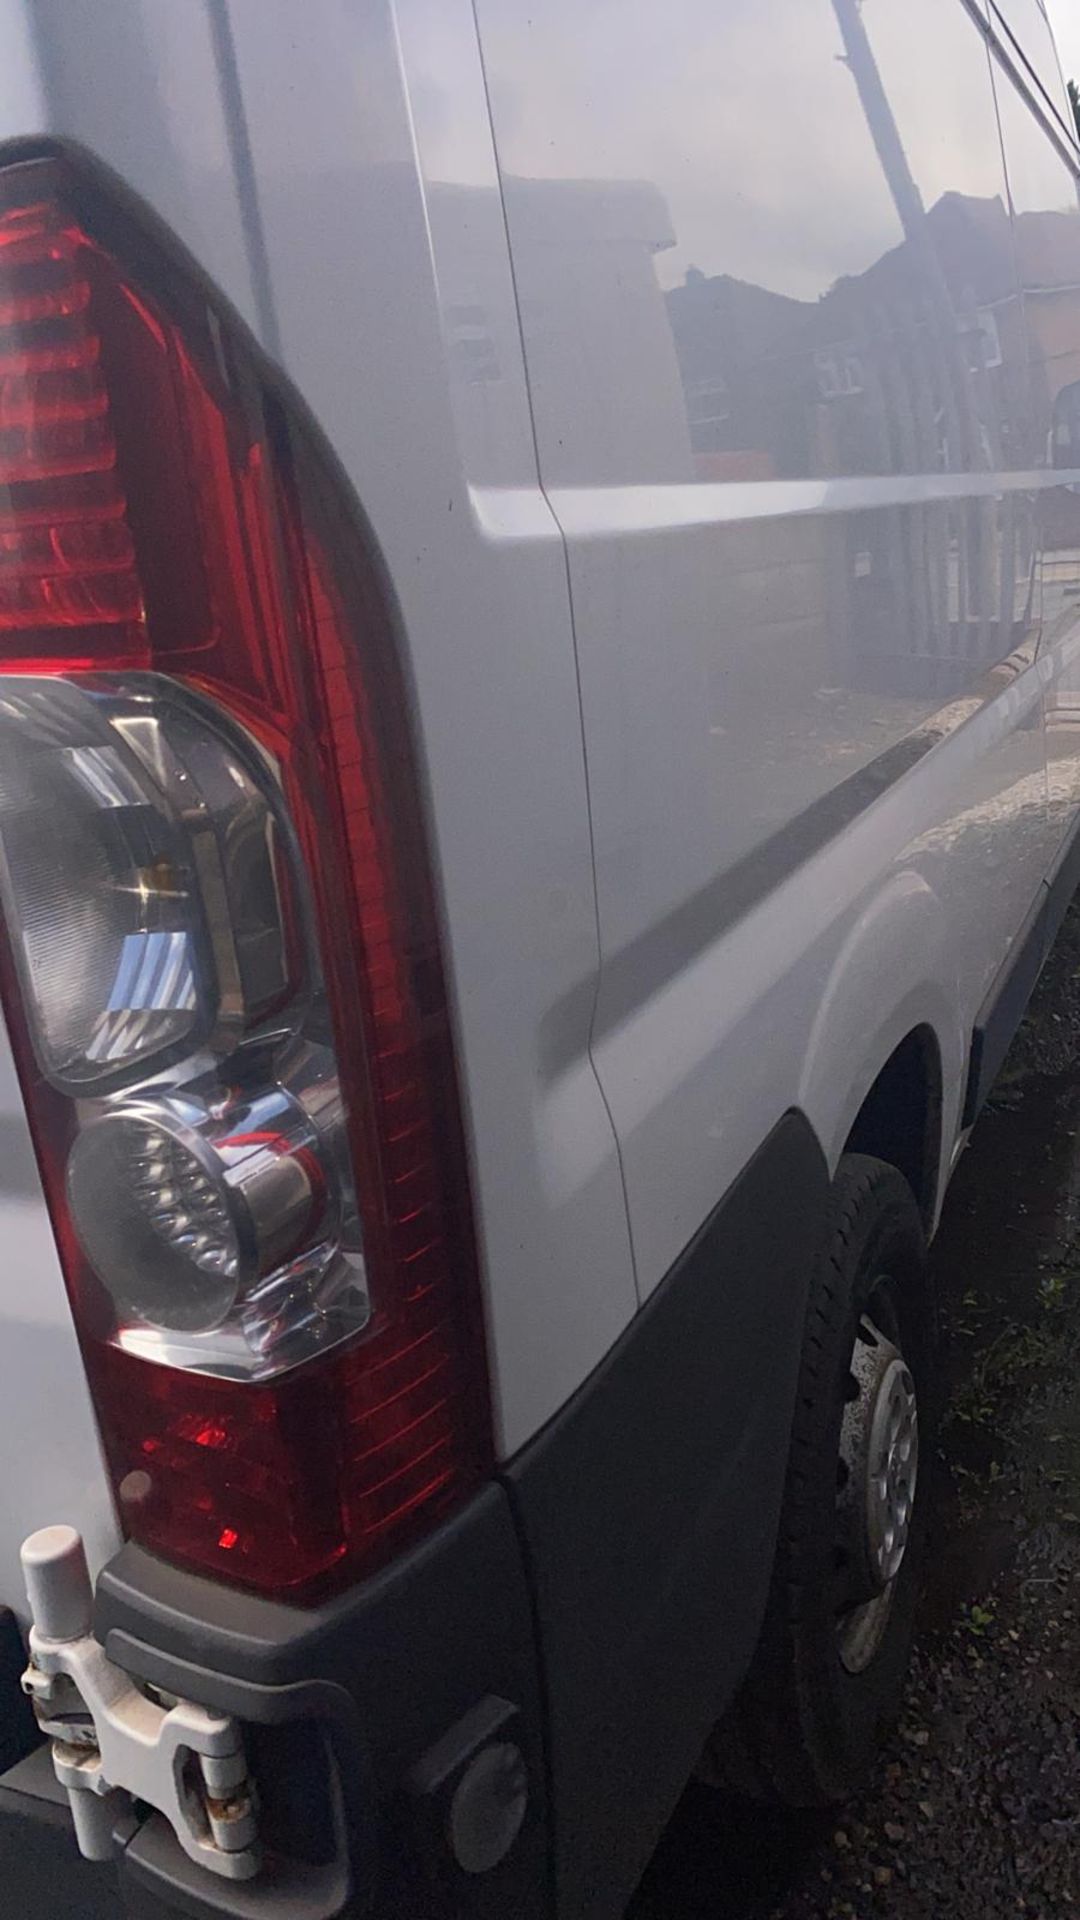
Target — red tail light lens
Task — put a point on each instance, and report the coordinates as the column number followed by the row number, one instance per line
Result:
column 66, row 555
column 221, row 972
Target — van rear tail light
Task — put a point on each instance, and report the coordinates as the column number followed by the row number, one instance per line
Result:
column 220, row 962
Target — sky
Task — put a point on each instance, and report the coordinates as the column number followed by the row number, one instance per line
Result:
column 1065, row 20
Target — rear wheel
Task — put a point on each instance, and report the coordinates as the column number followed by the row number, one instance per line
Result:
column 829, row 1669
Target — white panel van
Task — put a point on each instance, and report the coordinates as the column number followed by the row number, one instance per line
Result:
column 539, row 767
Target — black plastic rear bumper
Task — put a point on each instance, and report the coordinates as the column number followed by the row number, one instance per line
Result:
column 341, row 1706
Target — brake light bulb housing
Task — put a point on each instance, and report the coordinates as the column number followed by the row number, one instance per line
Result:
column 220, row 963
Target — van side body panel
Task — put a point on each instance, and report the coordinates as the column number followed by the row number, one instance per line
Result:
column 807, row 613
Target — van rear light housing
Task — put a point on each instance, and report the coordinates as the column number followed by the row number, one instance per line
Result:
column 220, row 960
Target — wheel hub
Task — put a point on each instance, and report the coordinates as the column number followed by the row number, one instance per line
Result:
column 876, row 1478
column 892, row 1467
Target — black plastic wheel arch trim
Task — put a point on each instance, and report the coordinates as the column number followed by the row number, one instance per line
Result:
column 1007, row 1001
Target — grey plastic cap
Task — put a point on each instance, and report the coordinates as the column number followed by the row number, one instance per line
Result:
column 57, row 1583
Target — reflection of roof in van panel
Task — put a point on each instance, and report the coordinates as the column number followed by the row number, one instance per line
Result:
column 1048, row 248
column 753, row 315
column 970, row 238
column 729, row 322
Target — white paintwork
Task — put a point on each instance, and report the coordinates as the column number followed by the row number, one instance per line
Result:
column 706, row 608
column 490, row 357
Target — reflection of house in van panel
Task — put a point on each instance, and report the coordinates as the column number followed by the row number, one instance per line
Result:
column 917, row 365
column 749, row 346
column 940, row 345
column 835, row 386
column 1048, row 256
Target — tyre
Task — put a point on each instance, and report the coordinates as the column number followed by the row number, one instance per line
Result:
column 829, row 1669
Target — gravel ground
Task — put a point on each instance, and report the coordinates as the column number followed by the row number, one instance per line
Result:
column 974, row 1809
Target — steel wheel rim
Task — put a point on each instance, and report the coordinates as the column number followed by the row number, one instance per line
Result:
column 877, row 1477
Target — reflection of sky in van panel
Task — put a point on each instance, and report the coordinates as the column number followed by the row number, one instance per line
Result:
column 747, row 120
column 1065, row 21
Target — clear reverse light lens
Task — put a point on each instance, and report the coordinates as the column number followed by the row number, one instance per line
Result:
column 140, row 870
column 96, row 889
column 182, row 1202
column 155, row 1221
column 205, row 1216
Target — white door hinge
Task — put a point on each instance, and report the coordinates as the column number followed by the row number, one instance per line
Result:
column 110, row 1740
